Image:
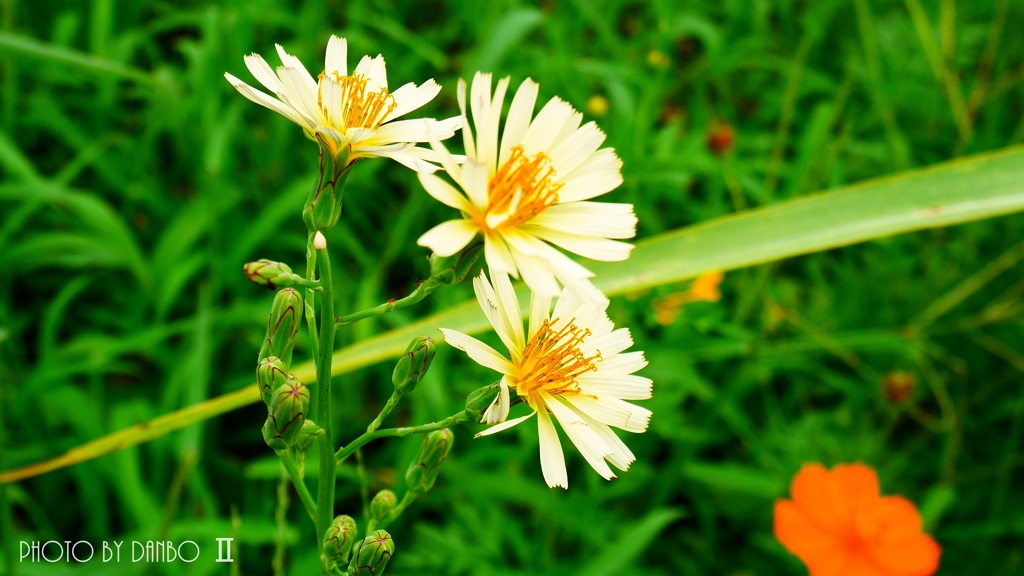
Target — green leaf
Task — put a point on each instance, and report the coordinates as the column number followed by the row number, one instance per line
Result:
column 738, row 479
column 505, row 34
column 635, row 539
column 25, row 46
column 972, row 188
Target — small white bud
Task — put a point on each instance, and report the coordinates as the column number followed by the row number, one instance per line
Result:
column 319, row 242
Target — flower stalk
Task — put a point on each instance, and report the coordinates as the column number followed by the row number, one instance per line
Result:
column 368, row 437
column 328, row 469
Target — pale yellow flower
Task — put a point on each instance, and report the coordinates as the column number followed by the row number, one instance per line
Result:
column 571, row 364
column 356, row 110
column 531, row 190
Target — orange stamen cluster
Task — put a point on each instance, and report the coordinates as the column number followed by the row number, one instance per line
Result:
column 552, row 360
column 359, row 108
column 522, row 187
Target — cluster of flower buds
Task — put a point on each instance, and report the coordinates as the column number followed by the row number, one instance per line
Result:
column 413, row 365
column 453, row 269
column 285, row 315
column 422, row 473
column 323, row 207
column 338, row 541
column 288, row 409
column 273, row 275
column 372, row 554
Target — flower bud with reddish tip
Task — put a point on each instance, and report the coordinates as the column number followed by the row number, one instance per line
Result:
column 283, row 324
column 273, row 275
column 372, row 554
column 382, row 505
column 899, row 386
column 422, row 473
column 413, row 365
column 339, row 539
column 270, row 374
column 721, row 138
column 288, row 409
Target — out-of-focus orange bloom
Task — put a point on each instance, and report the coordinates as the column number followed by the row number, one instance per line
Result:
column 703, row 289
column 840, row 525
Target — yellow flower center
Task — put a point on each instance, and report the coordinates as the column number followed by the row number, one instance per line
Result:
column 521, row 189
column 359, row 108
column 552, row 361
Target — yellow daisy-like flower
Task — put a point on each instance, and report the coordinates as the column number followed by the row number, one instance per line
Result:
column 354, row 110
column 571, row 363
column 531, row 190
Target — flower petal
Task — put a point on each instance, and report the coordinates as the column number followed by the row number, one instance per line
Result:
column 449, row 237
column 613, row 412
column 336, row 60
column 552, row 460
column 479, row 352
column 504, row 425
column 497, row 256
column 568, row 154
column 599, row 174
column 411, row 97
column 518, row 120
column 602, row 219
column 546, row 126
column 444, row 192
column 267, row 102
column 586, row 440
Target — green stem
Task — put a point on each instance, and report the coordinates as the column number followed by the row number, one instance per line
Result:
column 392, row 402
column 368, row 437
column 300, row 485
column 364, row 486
column 281, row 519
column 314, row 342
column 328, row 470
column 421, row 292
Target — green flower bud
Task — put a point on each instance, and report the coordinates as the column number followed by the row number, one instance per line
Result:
column 273, row 275
column 271, row 374
column 479, row 399
column 339, row 539
column 288, row 409
column 372, row 554
column 423, row 471
column 323, row 207
column 285, row 316
column 310, row 430
column 453, row 269
column 413, row 364
column 382, row 505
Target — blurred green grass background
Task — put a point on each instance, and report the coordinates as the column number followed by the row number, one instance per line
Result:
column 136, row 182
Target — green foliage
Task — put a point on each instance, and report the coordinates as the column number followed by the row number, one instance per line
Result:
column 136, row 183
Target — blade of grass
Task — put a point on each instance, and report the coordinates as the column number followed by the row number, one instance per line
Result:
column 25, row 46
column 964, row 190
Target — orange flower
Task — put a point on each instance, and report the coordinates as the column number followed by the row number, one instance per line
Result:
column 839, row 525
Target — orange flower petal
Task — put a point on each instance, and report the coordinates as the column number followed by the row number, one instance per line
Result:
column 889, row 519
column 858, row 485
column 865, row 567
column 914, row 556
column 818, row 496
column 801, row 535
